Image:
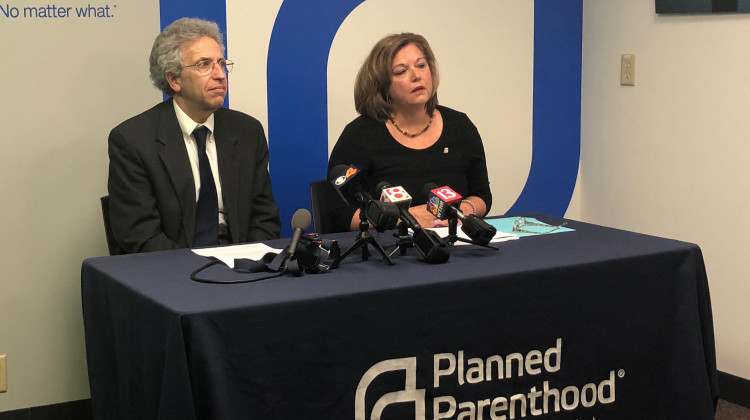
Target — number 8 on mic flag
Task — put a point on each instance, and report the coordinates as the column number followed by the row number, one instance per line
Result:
column 396, row 195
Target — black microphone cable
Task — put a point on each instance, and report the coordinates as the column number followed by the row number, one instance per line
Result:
column 214, row 261
column 279, row 264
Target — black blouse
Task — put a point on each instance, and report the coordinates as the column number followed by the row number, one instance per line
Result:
column 456, row 160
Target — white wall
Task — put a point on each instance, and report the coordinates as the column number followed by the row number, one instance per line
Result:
column 669, row 156
column 65, row 83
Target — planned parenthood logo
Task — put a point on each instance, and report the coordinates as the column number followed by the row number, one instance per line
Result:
column 456, row 370
column 409, row 394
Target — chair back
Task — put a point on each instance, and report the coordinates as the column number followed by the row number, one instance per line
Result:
column 114, row 248
column 322, row 194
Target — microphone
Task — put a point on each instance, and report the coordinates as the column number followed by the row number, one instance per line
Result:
column 300, row 222
column 427, row 242
column 397, row 195
column 284, row 261
column 382, row 216
column 349, row 182
column 431, row 246
column 443, row 202
column 401, row 198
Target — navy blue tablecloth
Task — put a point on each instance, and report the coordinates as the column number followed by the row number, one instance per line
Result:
column 596, row 323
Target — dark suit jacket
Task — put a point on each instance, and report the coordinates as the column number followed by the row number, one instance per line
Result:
column 151, row 186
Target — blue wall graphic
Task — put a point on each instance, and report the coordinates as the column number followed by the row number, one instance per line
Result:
column 297, row 98
column 298, row 110
column 556, row 142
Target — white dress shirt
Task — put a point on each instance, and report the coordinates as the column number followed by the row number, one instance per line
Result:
column 187, row 125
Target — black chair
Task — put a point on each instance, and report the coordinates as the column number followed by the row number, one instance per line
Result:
column 114, row 248
column 322, row 194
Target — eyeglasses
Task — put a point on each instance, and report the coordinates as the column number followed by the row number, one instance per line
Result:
column 206, row 66
column 521, row 222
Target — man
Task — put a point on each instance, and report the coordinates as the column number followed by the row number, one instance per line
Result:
column 188, row 172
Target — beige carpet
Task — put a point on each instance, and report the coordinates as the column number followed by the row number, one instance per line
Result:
column 728, row 411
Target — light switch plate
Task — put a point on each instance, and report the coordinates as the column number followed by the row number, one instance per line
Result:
column 3, row 373
column 627, row 70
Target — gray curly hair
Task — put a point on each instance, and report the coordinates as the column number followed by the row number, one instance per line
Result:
column 166, row 54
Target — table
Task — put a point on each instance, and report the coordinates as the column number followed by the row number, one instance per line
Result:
column 598, row 323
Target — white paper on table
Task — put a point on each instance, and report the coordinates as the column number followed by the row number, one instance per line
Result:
column 227, row 254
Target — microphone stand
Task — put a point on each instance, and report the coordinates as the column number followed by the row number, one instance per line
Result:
column 403, row 241
column 364, row 238
column 453, row 234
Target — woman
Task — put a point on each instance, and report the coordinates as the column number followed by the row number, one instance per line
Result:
column 404, row 137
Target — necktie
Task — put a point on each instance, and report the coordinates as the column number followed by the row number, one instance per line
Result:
column 207, row 207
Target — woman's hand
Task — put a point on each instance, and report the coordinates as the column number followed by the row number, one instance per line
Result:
column 424, row 217
column 472, row 205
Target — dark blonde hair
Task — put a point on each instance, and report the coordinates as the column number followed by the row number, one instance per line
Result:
column 374, row 77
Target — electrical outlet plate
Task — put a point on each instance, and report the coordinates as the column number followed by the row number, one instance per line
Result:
column 627, row 70
column 3, row 373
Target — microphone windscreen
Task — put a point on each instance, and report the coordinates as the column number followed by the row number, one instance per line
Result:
column 336, row 171
column 478, row 230
column 428, row 187
column 431, row 246
column 301, row 219
column 350, row 182
column 382, row 216
column 381, row 186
